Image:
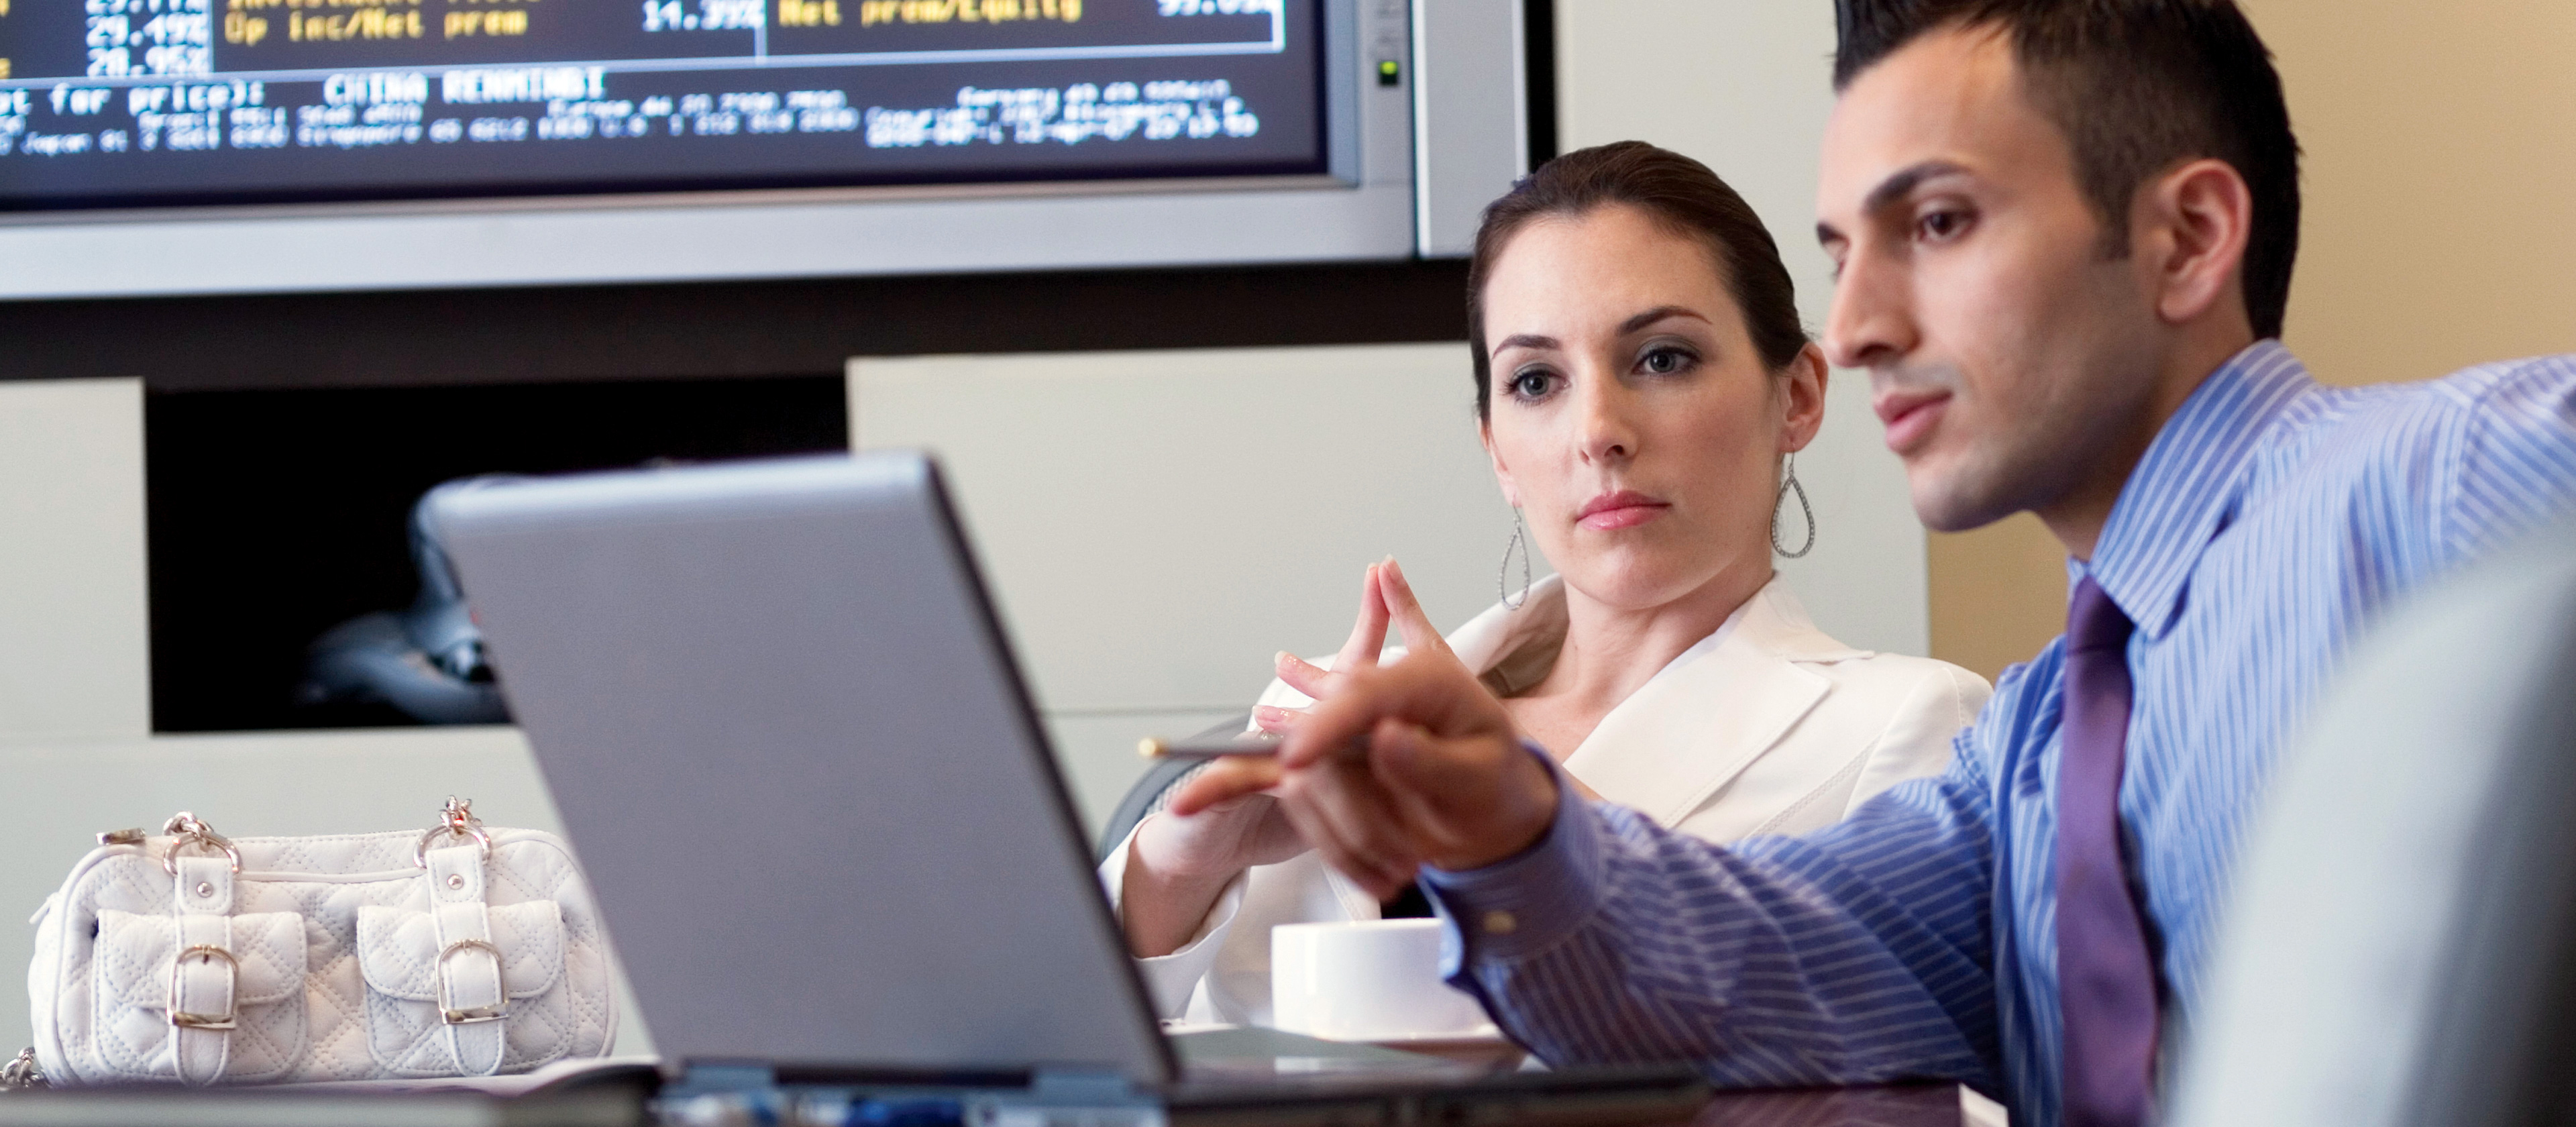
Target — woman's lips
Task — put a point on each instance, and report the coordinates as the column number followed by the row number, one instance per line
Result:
column 1623, row 509
column 1910, row 417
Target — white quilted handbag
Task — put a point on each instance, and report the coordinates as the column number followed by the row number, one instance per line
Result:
column 190, row 958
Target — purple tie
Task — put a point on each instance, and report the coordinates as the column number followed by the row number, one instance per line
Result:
column 2106, row 985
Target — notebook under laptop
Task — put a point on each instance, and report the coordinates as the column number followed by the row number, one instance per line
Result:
column 785, row 731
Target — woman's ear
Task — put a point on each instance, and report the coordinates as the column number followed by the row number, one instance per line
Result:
column 1502, row 473
column 1802, row 395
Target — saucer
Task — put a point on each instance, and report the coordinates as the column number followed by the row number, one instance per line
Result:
column 1481, row 1036
column 1483, row 1048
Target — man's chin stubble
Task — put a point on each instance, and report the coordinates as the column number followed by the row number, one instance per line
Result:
column 1964, row 500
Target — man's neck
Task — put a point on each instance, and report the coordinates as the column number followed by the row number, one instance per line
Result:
column 2078, row 516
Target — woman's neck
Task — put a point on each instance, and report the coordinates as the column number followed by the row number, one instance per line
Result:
column 1611, row 652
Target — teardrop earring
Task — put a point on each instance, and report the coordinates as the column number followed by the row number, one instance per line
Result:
column 1519, row 542
column 1788, row 485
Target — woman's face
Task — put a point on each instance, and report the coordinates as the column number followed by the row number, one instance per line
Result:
column 1632, row 421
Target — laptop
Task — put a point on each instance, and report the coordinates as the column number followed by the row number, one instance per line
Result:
column 784, row 729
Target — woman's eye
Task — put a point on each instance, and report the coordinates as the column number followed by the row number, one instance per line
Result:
column 1529, row 385
column 1665, row 361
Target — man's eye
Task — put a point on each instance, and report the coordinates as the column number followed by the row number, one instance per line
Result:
column 1939, row 225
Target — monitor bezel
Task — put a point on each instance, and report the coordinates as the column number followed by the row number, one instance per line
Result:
column 1361, row 208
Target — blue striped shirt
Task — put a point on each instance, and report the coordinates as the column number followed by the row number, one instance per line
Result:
column 2271, row 521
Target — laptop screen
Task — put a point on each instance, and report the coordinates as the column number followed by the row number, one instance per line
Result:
column 789, row 742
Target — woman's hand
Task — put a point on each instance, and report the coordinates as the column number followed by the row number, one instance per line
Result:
column 1420, row 637
column 1407, row 765
column 1179, row 864
column 1389, row 598
column 1444, row 780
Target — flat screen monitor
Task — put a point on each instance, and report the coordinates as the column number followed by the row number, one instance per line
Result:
column 211, row 146
column 120, row 103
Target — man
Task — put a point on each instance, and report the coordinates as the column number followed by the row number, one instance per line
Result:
column 2064, row 234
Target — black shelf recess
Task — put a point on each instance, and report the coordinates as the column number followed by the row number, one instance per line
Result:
column 287, row 436
column 559, row 334
column 275, row 515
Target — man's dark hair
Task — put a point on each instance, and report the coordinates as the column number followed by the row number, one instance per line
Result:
column 1679, row 193
column 2137, row 86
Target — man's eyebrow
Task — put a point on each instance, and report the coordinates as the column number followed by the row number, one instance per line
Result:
column 1903, row 183
column 1655, row 314
column 1891, row 190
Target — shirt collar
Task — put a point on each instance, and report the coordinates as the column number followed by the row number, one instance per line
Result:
column 2187, row 485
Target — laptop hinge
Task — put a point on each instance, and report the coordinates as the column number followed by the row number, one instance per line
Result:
column 710, row 1077
column 1070, row 1097
column 1081, row 1086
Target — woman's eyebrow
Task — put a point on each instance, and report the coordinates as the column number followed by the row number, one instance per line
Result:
column 1525, row 340
column 1659, row 313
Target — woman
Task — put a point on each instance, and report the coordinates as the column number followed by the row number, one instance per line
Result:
column 1641, row 383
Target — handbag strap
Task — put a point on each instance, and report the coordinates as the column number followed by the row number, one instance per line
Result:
column 204, row 976
column 472, row 999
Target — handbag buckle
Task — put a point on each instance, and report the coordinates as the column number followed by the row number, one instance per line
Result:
column 191, row 832
column 21, row 1074
column 181, row 1019
column 470, row 1015
column 456, row 820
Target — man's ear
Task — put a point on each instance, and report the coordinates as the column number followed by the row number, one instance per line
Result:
column 1802, row 391
column 1502, row 473
column 2189, row 239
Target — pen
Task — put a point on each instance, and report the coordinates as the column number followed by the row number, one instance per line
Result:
column 1205, row 748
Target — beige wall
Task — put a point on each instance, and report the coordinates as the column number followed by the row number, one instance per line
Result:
column 2440, row 232
column 2441, row 181
column 1998, row 593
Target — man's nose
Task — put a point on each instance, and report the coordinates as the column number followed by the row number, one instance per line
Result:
column 1872, row 321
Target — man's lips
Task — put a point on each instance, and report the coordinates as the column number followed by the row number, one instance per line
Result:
column 1910, row 416
column 1623, row 509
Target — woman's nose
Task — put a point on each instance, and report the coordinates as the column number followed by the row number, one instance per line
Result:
column 1606, row 432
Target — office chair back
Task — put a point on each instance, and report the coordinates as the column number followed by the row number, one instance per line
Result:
column 1149, row 792
column 2402, row 945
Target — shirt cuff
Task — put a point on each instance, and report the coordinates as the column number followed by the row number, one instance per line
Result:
column 1523, row 905
column 1172, row 979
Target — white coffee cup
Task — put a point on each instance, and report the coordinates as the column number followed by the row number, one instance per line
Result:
column 1368, row 980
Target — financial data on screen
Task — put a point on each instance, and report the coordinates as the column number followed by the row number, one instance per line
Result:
column 124, row 103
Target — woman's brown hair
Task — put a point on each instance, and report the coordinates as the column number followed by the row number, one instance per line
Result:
column 1682, row 195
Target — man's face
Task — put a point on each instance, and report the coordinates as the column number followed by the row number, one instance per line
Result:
column 2007, row 354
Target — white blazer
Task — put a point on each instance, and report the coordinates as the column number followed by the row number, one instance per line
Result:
column 1766, row 726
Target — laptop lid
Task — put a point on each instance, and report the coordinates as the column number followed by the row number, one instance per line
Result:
column 785, row 733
